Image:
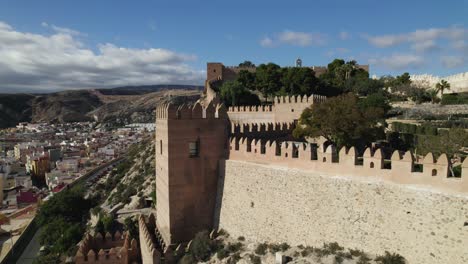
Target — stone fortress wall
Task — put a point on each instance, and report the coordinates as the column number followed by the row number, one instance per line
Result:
column 458, row 82
column 259, row 185
column 300, row 193
column 273, row 203
column 326, row 159
column 110, row 249
column 284, row 109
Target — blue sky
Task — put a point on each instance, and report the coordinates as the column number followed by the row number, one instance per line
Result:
column 87, row 44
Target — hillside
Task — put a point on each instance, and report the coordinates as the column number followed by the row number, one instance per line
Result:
column 121, row 105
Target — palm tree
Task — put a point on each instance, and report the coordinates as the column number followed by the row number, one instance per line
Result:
column 441, row 86
column 433, row 94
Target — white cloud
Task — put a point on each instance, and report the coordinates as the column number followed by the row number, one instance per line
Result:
column 294, row 38
column 60, row 61
column 344, row 35
column 418, row 36
column 452, row 61
column 266, row 42
column 425, row 46
column 62, row 30
column 398, row 61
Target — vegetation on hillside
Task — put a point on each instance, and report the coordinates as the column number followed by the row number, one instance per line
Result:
column 63, row 221
column 343, row 120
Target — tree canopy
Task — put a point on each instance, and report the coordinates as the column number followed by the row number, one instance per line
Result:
column 342, row 121
column 233, row 93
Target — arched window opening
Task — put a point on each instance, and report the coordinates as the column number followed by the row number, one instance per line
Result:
column 324, row 159
column 372, row 165
column 434, row 172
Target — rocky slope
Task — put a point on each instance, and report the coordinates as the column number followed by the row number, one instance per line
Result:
column 121, row 105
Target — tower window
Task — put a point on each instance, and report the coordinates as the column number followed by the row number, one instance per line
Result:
column 160, row 147
column 193, row 149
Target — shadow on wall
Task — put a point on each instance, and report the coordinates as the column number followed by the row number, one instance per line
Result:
column 219, row 194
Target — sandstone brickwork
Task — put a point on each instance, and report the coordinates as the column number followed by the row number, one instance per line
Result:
column 189, row 142
column 265, row 202
column 110, row 249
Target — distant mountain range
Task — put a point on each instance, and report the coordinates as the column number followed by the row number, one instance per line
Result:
column 121, row 105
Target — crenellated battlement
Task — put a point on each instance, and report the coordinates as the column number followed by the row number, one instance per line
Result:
column 197, row 111
column 314, row 98
column 253, row 108
column 249, row 129
column 325, row 159
column 116, row 248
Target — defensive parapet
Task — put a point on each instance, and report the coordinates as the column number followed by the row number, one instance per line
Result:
column 314, row 98
column 150, row 251
column 251, row 108
column 110, row 249
column 262, row 130
column 325, row 159
column 172, row 111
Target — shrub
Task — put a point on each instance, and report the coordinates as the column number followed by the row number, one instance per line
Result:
column 363, row 259
column 338, row 259
column 451, row 99
column 187, row 259
column 234, row 259
column 274, row 248
column 222, row 253
column 202, row 246
column 222, row 232
column 255, row 259
column 234, row 247
column 241, row 238
column 390, row 258
column 328, row 249
column 356, row 252
column 307, row 251
column 261, row 249
column 284, row 246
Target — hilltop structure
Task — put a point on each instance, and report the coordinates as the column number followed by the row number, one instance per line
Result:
column 458, row 82
column 238, row 169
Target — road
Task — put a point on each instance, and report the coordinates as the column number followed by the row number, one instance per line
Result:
column 32, row 250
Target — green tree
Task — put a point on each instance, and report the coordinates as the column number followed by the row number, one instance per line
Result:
column 109, row 223
column 441, row 86
column 99, row 228
column 202, row 246
column 268, row 79
column 298, row 81
column 234, row 93
column 403, row 79
column 131, row 226
column 246, row 79
column 246, row 64
column 48, row 259
column 341, row 121
column 375, row 101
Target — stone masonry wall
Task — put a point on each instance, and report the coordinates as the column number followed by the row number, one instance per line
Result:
column 278, row 204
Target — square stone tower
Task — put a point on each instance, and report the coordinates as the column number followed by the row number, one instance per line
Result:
column 190, row 142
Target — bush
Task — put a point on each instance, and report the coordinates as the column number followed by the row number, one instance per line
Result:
column 356, row 252
column 390, row 258
column 363, row 259
column 307, row 251
column 241, row 238
column 261, row 249
column 187, row 259
column 202, row 246
column 234, row 247
column 222, row 253
column 234, row 259
column 454, row 99
column 255, row 259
